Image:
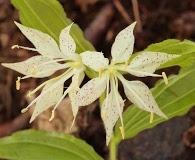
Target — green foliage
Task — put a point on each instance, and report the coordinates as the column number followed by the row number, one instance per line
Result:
column 49, row 17
column 175, row 99
column 42, row 145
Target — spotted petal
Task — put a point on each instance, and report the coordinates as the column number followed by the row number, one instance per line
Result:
column 44, row 43
column 91, row 91
column 37, row 66
column 147, row 62
column 110, row 113
column 139, row 94
column 94, row 60
column 122, row 48
column 50, row 98
column 67, row 44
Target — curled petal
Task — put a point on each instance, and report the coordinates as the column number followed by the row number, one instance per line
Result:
column 67, row 44
column 139, row 94
column 148, row 62
column 33, row 67
column 122, row 48
column 74, row 87
column 44, row 43
column 48, row 99
column 94, row 60
column 91, row 91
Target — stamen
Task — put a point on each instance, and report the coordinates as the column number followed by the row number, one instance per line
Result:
column 52, row 115
column 15, row 46
column 100, row 72
column 18, row 83
column 165, row 77
column 33, row 71
column 72, row 123
column 126, row 64
column 24, row 110
column 122, row 132
column 104, row 117
column 151, row 116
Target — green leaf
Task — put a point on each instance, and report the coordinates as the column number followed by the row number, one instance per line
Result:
column 174, row 99
column 184, row 48
column 42, row 145
column 49, row 17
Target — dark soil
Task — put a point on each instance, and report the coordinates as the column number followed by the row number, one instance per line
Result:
column 101, row 20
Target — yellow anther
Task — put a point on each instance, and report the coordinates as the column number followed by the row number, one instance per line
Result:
column 33, row 71
column 29, row 94
column 52, row 116
column 104, row 117
column 100, row 72
column 151, row 117
column 15, row 46
column 165, row 77
column 18, row 83
column 126, row 63
column 24, row 110
column 50, row 93
column 122, row 132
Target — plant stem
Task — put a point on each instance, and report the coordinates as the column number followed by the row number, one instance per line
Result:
column 113, row 149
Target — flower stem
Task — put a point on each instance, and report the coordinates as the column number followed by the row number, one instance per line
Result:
column 113, row 149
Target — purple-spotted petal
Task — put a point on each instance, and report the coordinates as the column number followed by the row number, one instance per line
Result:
column 122, row 48
column 147, row 62
column 48, row 99
column 110, row 113
column 44, row 43
column 91, row 91
column 94, row 60
column 34, row 66
column 67, row 44
column 139, row 94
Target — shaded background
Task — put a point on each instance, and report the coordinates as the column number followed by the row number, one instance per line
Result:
column 101, row 20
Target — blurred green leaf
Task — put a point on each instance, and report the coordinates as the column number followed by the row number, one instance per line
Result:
column 174, row 99
column 184, row 48
column 42, row 145
column 49, row 17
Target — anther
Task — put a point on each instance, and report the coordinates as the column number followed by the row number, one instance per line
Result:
column 18, row 83
column 122, row 132
column 165, row 77
column 24, row 110
column 100, row 72
column 151, row 117
column 52, row 116
column 15, row 46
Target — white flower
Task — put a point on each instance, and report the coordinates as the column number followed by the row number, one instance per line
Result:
column 137, row 92
column 46, row 64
